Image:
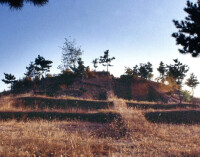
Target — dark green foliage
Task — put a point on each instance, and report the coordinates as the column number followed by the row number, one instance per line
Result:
column 42, row 103
column 9, row 78
column 145, row 71
column 66, row 77
column 192, row 82
column 80, row 70
column 22, row 85
column 52, row 85
column 42, row 65
column 31, row 71
column 135, row 71
column 102, row 95
column 128, row 71
column 188, row 35
column 178, row 72
column 131, row 73
column 105, row 60
column 49, row 85
column 162, row 69
column 70, row 55
column 18, row 4
column 95, row 63
column 128, row 79
column 186, row 95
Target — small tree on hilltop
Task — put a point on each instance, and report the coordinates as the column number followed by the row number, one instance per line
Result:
column 135, row 72
column 162, row 70
column 31, row 71
column 80, row 70
column 9, row 79
column 128, row 71
column 42, row 65
column 145, row 71
column 178, row 72
column 95, row 63
column 192, row 82
column 106, row 61
column 150, row 70
column 188, row 35
column 70, row 55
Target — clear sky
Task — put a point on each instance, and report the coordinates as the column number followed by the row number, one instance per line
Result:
column 135, row 31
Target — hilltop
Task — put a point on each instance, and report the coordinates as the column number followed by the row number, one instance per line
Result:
column 95, row 86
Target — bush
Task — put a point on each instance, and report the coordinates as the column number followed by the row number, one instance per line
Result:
column 102, row 95
column 186, row 95
column 83, row 90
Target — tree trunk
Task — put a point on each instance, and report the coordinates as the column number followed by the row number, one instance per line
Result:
column 192, row 95
column 107, row 77
column 180, row 94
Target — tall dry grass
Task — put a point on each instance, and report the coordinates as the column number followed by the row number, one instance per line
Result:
column 43, row 138
column 133, row 136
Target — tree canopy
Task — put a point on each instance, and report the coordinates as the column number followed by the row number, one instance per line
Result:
column 188, row 35
column 177, row 72
column 95, row 63
column 162, row 69
column 105, row 60
column 192, row 82
column 42, row 65
column 31, row 71
column 9, row 78
column 18, row 4
column 70, row 55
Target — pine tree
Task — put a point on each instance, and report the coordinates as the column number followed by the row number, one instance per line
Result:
column 145, row 71
column 42, row 65
column 128, row 71
column 188, row 35
column 192, row 82
column 95, row 63
column 162, row 70
column 178, row 72
column 70, row 55
column 31, row 71
column 105, row 60
column 80, row 70
column 18, row 4
column 9, row 79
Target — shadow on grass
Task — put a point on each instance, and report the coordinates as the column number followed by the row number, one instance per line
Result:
column 174, row 117
column 42, row 103
column 160, row 106
column 89, row 117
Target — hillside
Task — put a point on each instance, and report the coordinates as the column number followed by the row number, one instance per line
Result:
column 96, row 86
column 52, row 126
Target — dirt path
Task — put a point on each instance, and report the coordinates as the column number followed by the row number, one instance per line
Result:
column 121, row 107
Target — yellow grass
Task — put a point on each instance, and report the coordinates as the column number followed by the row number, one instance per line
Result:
column 74, row 139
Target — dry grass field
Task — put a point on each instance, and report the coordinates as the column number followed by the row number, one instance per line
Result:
column 132, row 135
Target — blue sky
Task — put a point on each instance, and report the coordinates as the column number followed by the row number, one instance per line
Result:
column 134, row 32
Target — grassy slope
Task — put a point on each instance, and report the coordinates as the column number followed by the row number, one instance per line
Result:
column 133, row 136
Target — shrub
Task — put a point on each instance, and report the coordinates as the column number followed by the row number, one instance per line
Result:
column 83, row 90
column 102, row 95
column 186, row 95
